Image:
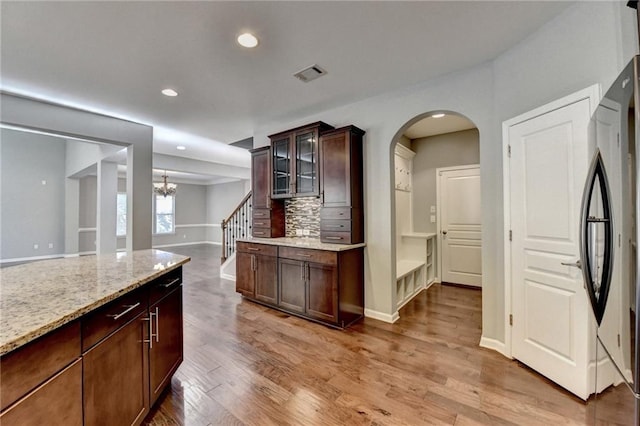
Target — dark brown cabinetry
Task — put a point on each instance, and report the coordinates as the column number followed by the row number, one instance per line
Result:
column 165, row 346
column 295, row 166
column 267, row 214
column 257, row 272
column 115, row 377
column 341, row 215
column 326, row 286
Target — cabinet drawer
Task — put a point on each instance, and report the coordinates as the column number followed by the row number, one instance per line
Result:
column 29, row 366
column 261, row 214
column 163, row 285
column 259, row 222
column 58, row 401
column 107, row 319
column 336, row 237
column 309, row 255
column 253, row 248
column 340, row 225
column 262, row 232
column 335, row 213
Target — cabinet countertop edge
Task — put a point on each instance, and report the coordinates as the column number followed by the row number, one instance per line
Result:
column 307, row 243
column 40, row 297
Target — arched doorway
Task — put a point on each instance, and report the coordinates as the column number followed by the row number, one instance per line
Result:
column 436, row 208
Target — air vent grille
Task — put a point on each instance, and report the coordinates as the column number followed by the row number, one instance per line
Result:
column 310, row 73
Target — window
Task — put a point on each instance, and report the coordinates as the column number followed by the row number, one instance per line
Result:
column 164, row 212
column 121, row 214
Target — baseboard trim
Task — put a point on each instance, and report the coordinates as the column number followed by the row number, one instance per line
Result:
column 496, row 345
column 29, row 259
column 381, row 316
column 228, row 277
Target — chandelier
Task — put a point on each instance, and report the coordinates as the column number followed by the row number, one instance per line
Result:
column 164, row 188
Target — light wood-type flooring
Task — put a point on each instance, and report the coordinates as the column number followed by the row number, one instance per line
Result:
column 249, row 365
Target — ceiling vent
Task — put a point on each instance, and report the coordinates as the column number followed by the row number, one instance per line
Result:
column 310, row 73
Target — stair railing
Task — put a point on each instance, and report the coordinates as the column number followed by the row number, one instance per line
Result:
column 237, row 225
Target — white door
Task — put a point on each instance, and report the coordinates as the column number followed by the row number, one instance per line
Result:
column 550, row 308
column 459, row 225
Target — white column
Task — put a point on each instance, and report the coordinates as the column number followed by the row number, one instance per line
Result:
column 107, row 188
column 71, row 215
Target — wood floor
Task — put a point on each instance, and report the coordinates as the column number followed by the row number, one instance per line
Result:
column 249, row 365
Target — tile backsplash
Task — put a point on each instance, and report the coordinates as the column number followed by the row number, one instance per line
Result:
column 304, row 214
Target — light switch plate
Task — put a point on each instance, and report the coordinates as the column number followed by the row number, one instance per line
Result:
column 433, row 209
column 433, row 218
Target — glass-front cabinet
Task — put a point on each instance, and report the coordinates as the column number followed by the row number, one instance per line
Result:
column 295, row 161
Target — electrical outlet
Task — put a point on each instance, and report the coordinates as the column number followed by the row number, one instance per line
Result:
column 306, row 232
column 44, row 182
column 433, row 218
column 35, row 247
column 433, row 209
column 298, row 232
column 184, row 235
column 50, row 245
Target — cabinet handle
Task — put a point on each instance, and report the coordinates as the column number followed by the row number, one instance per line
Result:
column 302, row 272
column 303, row 255
column 157, row 327
column 253, row 262
column 333, row 238
column 258, row 233
column 307, row 268
column 151, row 335
column 258, row 223
column 253, row 249
column 258, row 214
column 167, row 285
column 334, row 226
column 126, row 311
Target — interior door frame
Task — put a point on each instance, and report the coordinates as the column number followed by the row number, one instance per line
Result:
column 593, row 94
column 438, row 211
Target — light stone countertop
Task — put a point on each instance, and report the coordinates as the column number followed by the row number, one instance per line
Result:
column 38, row 297
column 302, row 242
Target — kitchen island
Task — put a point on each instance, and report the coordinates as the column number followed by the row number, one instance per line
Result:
column 88, row 340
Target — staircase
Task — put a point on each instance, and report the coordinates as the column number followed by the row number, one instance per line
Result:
column 237, row 225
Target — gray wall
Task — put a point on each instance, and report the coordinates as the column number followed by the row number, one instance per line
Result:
column 190, row 219
column 451, row 149
column 589, row 43
column 32, row 213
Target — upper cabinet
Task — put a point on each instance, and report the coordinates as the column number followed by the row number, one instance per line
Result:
column 267, row 215
column 295, row 164
column 342, row 215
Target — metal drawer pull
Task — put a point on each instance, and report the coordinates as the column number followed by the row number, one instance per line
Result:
column 335, row 226
column 167, row 285
column 157, row 328
column 258, row 214
column 334, row 238
column 303, row 255
column 253, row 249
column 126, row 311
column 258, row 223
column 258, row 233
column 150, row 341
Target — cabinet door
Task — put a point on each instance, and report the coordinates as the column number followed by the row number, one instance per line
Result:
column 165, row 352
column 116, row 377
column 282, row 167
column 58, row 401
column 292, row 285
column 322, row 292
column 336, row 173
column 260, row 178
column 306, row 151
column 266, row 279
column 244, row 274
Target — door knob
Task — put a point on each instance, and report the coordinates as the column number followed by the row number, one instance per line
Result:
column 577, row 264
column 444, row 232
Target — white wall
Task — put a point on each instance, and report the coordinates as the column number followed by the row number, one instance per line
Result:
column 222, row 199
column 587, row 44
column 451, row 149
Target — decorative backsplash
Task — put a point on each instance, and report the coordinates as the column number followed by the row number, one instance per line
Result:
column 302, row 214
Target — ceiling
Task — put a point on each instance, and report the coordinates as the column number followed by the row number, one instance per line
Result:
column 431, row 126
column 115, row 57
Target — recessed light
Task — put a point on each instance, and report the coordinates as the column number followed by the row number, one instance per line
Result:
column 438, row 115
column 181, row 147
column 247, row 40
column 169, row 92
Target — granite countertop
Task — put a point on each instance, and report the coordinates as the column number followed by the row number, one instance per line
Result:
column 38, row 297
column 302, row 242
